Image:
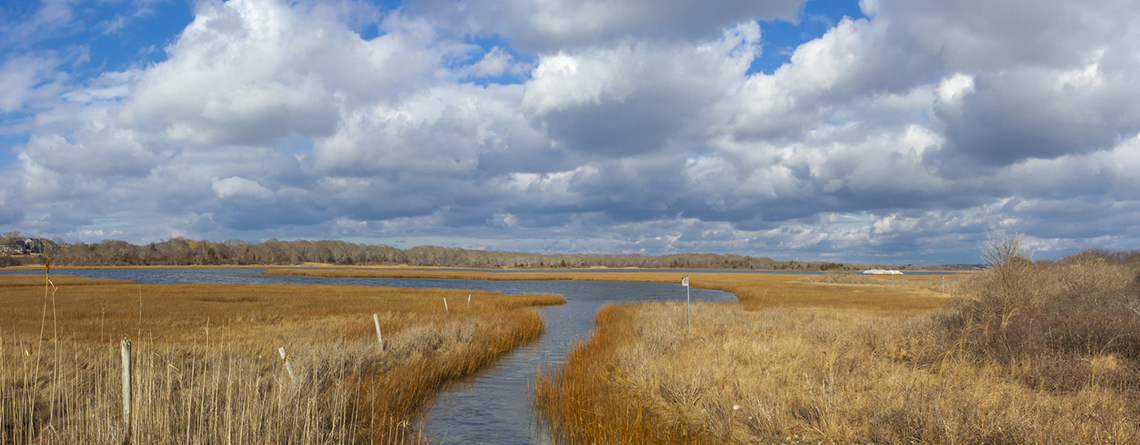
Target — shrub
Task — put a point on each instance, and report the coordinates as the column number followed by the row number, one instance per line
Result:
column 1048, row 322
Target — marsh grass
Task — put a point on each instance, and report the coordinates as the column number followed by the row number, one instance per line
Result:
column 755, row 291
column 1029, row 353
column 206, row 363
column 943, row 285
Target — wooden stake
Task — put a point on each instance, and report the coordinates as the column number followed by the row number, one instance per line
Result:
column 445, row 307
column 468, row 301
column 379, row 337
column 285, row 358
column 126, row 353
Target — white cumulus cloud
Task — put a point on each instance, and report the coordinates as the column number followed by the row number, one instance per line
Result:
column 241, row 188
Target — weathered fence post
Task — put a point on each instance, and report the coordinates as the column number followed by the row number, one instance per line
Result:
column 445, row 307
column 288, row 367
column 468, row 301
column 379, row 337
column 125, row 347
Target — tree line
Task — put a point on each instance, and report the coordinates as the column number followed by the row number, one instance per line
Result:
column 188, row 252
column 183, row 252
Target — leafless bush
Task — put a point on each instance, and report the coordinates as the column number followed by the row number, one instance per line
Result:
column 1047, row 322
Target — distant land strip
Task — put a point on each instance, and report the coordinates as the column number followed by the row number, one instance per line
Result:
column 754, row 291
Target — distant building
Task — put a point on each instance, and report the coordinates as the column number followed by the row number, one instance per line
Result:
column 33, row 245
column 882, row 272
column 25, row 247
column 14, row 248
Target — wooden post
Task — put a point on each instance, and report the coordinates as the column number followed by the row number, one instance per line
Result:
column 125, row 346
column 445, row 307
column 468, row 301
column 288, row 367
column 379, row 337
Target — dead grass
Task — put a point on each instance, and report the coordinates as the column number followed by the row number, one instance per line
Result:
column 207, row 368
column 1039, row 353
column 806, row 376
column 37, row 281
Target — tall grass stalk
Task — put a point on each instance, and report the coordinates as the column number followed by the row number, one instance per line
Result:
column 218, row 380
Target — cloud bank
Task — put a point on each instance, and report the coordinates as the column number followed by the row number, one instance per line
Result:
column 580, row 126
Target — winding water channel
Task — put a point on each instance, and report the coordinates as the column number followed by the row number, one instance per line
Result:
column 491, row 406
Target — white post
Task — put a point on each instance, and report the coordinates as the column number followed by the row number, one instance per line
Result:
column 688, row 309
column 379, row 338
column 126, row 352
column 468, row 301
column 285, row 358
column 445, row 307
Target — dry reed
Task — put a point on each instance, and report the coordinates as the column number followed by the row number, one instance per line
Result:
column 1033, row 353
column 207, row 370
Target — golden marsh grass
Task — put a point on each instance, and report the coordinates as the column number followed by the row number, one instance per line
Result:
column 789, row 375
column 206, row 363
column 1028, row 353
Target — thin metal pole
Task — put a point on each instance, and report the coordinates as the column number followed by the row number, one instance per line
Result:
column 688, row 310
column 688, row 307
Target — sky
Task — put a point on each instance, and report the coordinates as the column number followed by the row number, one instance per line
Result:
column 884, row 131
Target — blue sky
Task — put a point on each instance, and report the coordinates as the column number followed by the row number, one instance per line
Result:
column 873, row 131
